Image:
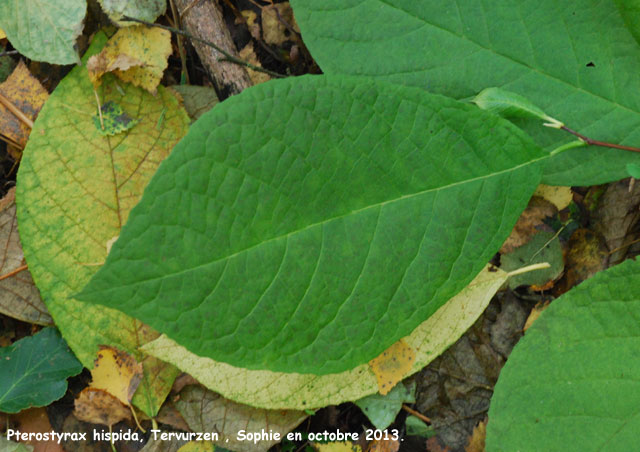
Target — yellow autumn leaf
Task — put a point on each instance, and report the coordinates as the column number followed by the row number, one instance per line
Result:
column 337, row 446
column 392, row 365
column 117, row 373
column 198, row 446
column 138, row 55
column 2, row 34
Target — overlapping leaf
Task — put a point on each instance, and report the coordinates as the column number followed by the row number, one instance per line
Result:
column 313, row 239
column 34, row 371
column 579, row 364
column 75, row 190
column 578, row 62
column 44, row 30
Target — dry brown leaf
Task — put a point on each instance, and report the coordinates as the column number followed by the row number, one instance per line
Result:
column 206, row 411
column 99, row 407
column 392, row 365
column 248, row 54
column 36, row 420
column 275, row 19
column 169, row 415
column 117, row 373
column 528, row 223
column 433, row 445
column 476, row 441
column 19, row 297
column 384, row 445
column 586, row 255
column 251, row 19
column 616, row 216
column 535, row 313
column 26, row 94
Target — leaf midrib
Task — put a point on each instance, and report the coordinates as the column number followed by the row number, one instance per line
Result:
column 318, row 223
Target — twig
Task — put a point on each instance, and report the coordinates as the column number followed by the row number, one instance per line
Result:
column 183, row 58
column 16, row 111
column 13, row 272
column 8, row 52
column 417, row 414
column 226, row 54
column 599, row 143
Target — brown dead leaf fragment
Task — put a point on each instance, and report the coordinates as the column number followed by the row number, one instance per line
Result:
column 117, row 373
column 99, row 407
column 529, row 223
column 36, row 420
column 27, row 95
column 586, row 255
column 278, row 23
column 477, row 438
column 535, row 313
column 248, row 54
column 392, row 365
column 617, row 213
column 19, row 297
column 384, row 445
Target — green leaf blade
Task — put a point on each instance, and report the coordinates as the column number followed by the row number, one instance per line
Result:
column 539, row 50
column 44, row 30
column 314, row 240
column 34, row 371
column 580, row 353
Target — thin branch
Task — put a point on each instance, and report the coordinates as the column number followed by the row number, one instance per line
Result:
column 599, row 143
column 416, row 414
column 16, row 111
column 13, row 272
column 226, row 54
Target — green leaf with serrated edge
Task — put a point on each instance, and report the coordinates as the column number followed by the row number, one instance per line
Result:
column 148, row 10
column 576, row 370
column 205, row 411
column 540, row 49
column 75, row 190
column 44, row 30
column 313, row 239
column 275, row 390
column 34, row 371
column 383, row 409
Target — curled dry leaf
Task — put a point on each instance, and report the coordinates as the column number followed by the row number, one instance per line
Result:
column 99, row 407
column 19, row 297
column 28, row 96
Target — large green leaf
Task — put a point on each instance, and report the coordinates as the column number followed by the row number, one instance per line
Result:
column 313, row 238
column 277, row 390
column 576, row 373
column 75, row 189
column 576, row 61
column 44, row 30
column 34, row 371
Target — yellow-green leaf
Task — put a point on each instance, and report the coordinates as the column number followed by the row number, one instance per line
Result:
column 300, row 391
column 74, row 192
